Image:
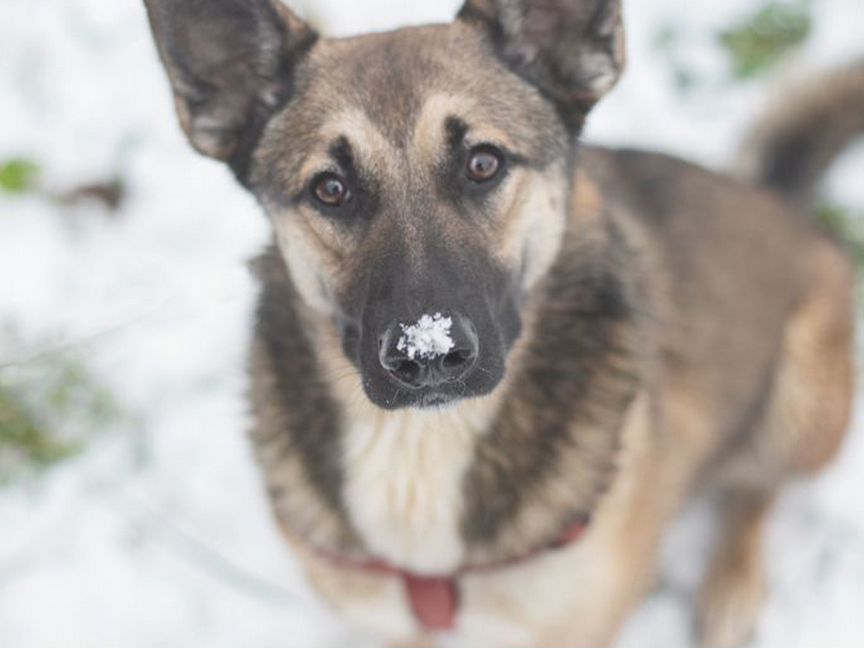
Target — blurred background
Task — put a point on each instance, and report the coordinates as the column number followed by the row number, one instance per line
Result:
column 131, row 514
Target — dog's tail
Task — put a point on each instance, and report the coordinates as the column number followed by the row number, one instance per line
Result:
column 794, row 143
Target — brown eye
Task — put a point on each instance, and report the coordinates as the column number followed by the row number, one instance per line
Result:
column 331, row 190
column 484, row 164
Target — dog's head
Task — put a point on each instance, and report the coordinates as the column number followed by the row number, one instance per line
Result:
column 418, row 180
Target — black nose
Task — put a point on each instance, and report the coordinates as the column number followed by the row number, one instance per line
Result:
column 434, row 350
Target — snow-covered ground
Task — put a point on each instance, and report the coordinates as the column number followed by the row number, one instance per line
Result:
column 159, row 534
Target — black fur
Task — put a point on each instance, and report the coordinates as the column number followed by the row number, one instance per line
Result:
column 311, row 417
column 576, row 381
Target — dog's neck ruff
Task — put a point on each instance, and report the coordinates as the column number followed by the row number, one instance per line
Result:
column 434, row 600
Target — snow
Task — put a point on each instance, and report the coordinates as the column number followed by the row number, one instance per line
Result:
column 160, row 533
column 428, row 338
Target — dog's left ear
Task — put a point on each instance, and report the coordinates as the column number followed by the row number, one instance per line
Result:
column 231, row 63
column 572, row 50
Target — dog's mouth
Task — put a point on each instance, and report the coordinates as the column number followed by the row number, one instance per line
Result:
column 436, row 401
column 429, row 399
column 386, row 392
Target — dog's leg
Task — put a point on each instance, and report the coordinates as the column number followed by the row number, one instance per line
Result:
column 734, row 589
column 802, row 429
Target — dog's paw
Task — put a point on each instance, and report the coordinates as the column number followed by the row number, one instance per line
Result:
column 729, row 606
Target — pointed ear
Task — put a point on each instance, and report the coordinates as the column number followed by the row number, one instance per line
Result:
column 230, row 63
column 572, row 50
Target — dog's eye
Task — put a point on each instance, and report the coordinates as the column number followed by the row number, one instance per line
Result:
column 331, row 190
column 484, row 163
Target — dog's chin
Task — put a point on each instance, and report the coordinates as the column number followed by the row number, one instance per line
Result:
column 436, row 402
column 391, row 397
column 421, row 399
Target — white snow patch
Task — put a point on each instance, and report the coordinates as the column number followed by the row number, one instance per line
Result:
column 428, row 338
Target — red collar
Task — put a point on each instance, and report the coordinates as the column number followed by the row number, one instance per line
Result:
column 434, row 600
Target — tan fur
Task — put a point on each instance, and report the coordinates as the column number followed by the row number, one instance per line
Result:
column 532, row 226
column 377, row 151
column 609, row 563
column 807, row 416
column 816, row 384
column 427, row 137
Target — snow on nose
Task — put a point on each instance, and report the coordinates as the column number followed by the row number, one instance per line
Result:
column 428, row 338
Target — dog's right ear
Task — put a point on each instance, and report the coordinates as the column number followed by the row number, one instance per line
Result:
column 230, row 63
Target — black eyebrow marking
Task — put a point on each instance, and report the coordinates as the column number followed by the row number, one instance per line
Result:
column 456, row 131
column 342, row 152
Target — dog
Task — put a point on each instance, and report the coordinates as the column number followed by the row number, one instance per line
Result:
column 490, row 364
